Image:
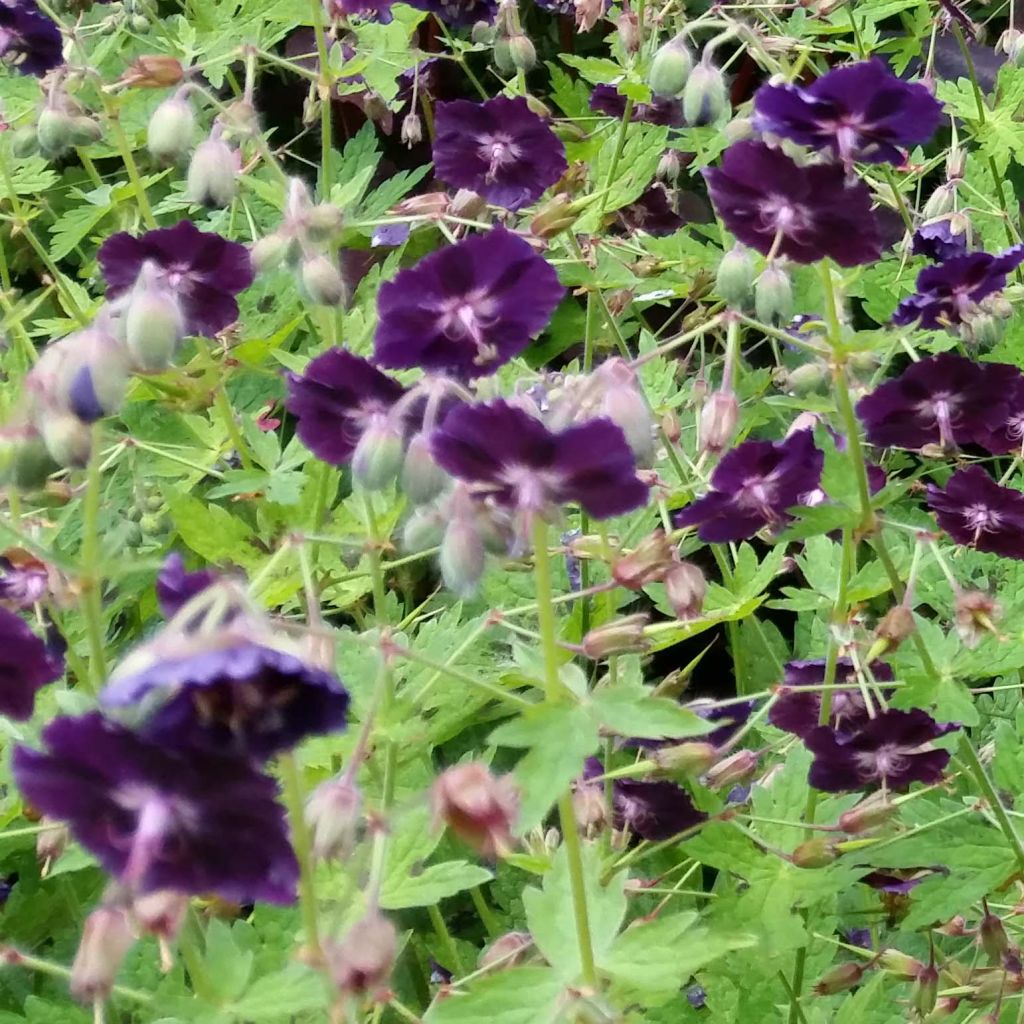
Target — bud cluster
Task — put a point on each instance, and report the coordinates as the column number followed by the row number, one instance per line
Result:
column 701, row 84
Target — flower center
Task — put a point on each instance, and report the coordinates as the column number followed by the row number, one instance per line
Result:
column 780, row 215
column 466, row 317
column 888, row 760
column 941, row 407
column 981, row 518
column 499, row 151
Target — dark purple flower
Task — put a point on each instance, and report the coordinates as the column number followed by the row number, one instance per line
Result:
column 371, row 10
column 1008, row 436
column 499, row 149
column 24, row 580
column 517, row 461
column 815, row 211
column 859, row 937
column 649, row 810
column 195, row 822
column 459, row 13
column 468, row 308
column 898, row 882
column 858, row 112
column 26, row 666
column 336, row 399
column 239, row 697
column 606, row 99
column 946, row 399
column 974, row 510
column 892, row 749
column 731, row 716
column 652, row 212
column 947, row 292
column 797, row 709
column 753, row 486
column 938, row 242
column 29, row 41
column 204, row 270
column 175, row 586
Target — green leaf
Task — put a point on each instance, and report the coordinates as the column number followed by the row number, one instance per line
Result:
column 72, row 226
column 280, row 997
column 633, row 711
column 432, row 884
column 227, row 966
column 520, row 995
column 211, row 531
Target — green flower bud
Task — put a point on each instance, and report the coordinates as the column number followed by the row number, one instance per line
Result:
column 462, row 557
column 735, row 769
column 323, row 222
column 67, row 439
column 482, row 33
column 840, row 978
column 981, row 328
column 925, row 992
column 814, row 853
column 171, row 129
column 875, row 810
column 521, row 52
column 30, row 463
column 940, row 202
column 269, row 252
column 322, row 281
column 773, row 297
column 670, row 68
column 153, row 524
column 378, row 456
column 705, row 98
column 139, row 23
column 899, row 965
column 422, row 478
column 992, row 937
column 24, row 141
column 693, row 758
column 85, row 131
column 423, row 530
column 212, row 173
column 1015, row 50
column 153, row 325
column 734, row 281
column 54, row 131
column 803, row 379
column 503, row 56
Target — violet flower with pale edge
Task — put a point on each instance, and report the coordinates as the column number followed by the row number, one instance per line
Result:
column 946, row 399
column 814, row 211
column 754, row 486
column 27, row 664
column 858, row 112
column 606, row 99
column 938, row 242
column 499, row 149
column 976, row 511
column 949, row 291
column 891, row 749
column 241, row 698
column 29, row 41
column 335, row 399
column 517, row 461
column 466, row 309
column 203, row 270
column 23, row 579
column 195, row 822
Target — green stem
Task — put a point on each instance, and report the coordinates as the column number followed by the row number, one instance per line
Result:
column 732, row 628
column 11, row 957
column 324, row 87
column 92, row 578
column 613, row 167
column 487, row 916
column 554, row 692
column 227, row 415
column 901, row 203
column 445, row 937
column 294, row 797
column 121, row 141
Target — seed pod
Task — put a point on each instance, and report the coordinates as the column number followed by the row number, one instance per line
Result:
column 378, row 456
column 734, row 281
column 670, row 68
column 212, row 178
column 54, row 131
column 106, row 939
column 322, row 281
column 773, row 297
column 422, row 478
column 479, row 807
column 171, row 129
column 705, row 97
column 840, row 978
column 621, row 636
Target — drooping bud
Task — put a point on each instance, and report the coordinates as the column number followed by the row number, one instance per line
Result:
column 422, row 478
column 1015, row 50
column 773, row 297
column 940, row 202
column 871, row 812
column 171, row 128
column 925, row 991
column 467, row 204
column 153, row 71
column 463, row 556
column 377, row 459
column 705, row 97
column 624, row 404
column 360, row 964
column 840, row 978
column 323, row 222
column 479, row 807
column 590, row 808
column 54, row 131
column 732, row 770
column 154, row 324
column 333, row 813
column 507, row 950
column 93, row 377
column 956, row 163
column 557, row 214
column 693, row 758
column 85, row 130
column 976, row 615
column 322, row 280
column 981, row 328
column 670, row 166
column 412, row 129
column 646, row 563
column 106, row 939
column 423, row 529
column 899, row 965
column 212, row 178
column 28, row 461
column 718, row 421
column 814, row 853
column 734, row 281
column 670, row 68
column 686, row 588
column 992, row 937
column 67, row 438
column 50, row 844
column 805, row 378
column 160, row 913
column 628, row 27
column 269, row 252
column 896, row 625
column 621, row 636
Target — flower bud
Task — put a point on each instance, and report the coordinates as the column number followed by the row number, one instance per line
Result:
column 24, row 141
column 412, row 129
column 773, row 297
column 422, row 478
column 718, row 421
column 422, row 530
column 670, row 68
column 730, row 771
column 430, row 204
column 479, row 807
column 940, row 202
column 322, row 281
column 925, row 992
column 814, row 853
column 734, row 281
column 1015, row 51
column 840, row 978
column 693, row 758
column 670, row 166
column 620, row 636
column 992, row 937
column 507, row 950
column 153, row 71
column 323, row 222
column 360, row 964
column 646, row 563
column 705, row 97
column 685, row 588
column 976, row 615
column 739, row 129
column 54, row 131
column 333, row 813
column 212, row 178
column 51, row 843
column 521, row 52
column 806, row 378
column 269, row 252
column 67, row 438
column 160, row 913
column 93, row 379
column 868, row 814
column 28, row 462
column 84, row 131
column 377, row 459
column 956, row 163
column 106, row 939
column 899, row 965
column 981, row 329
column 154, row 324
column 170, row 129
column 557, row 214
column 624, row 404
column 139, row 23
column 467, row 204
column 482, row 33
column 463, row 556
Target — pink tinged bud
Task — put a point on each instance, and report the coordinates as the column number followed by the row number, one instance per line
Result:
column 377, row 458
column 992, row 938
column 685, row 588
column 430, row 204
column 360, row 964
column 734, row 281
column 463, row 556
column 422, row 478
column 670, row 68
column 629, row 31
column 154, row 324
column 153, row 71
column 718, row 421
column 868, row 814
column 840, row 978
column 412, row 129
column 899, row 965
column 68, row 440
column 686, row 758
column 670, row 166
column 171, row 129
column 731, row 771
column 322, row 281
column 479, row 807
column 51, row 843
column 624, row 404
column 467, row 203
column 773, row 297
column 106, row 939
column 557, row 214
column 160, row 913
column 925, row 992
column 646, row 563
column 213, row 173
column 705, row 97
column 814, row 853
column 333, row 814
column 507, row 950
column 976, row 615
column 622, row 636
